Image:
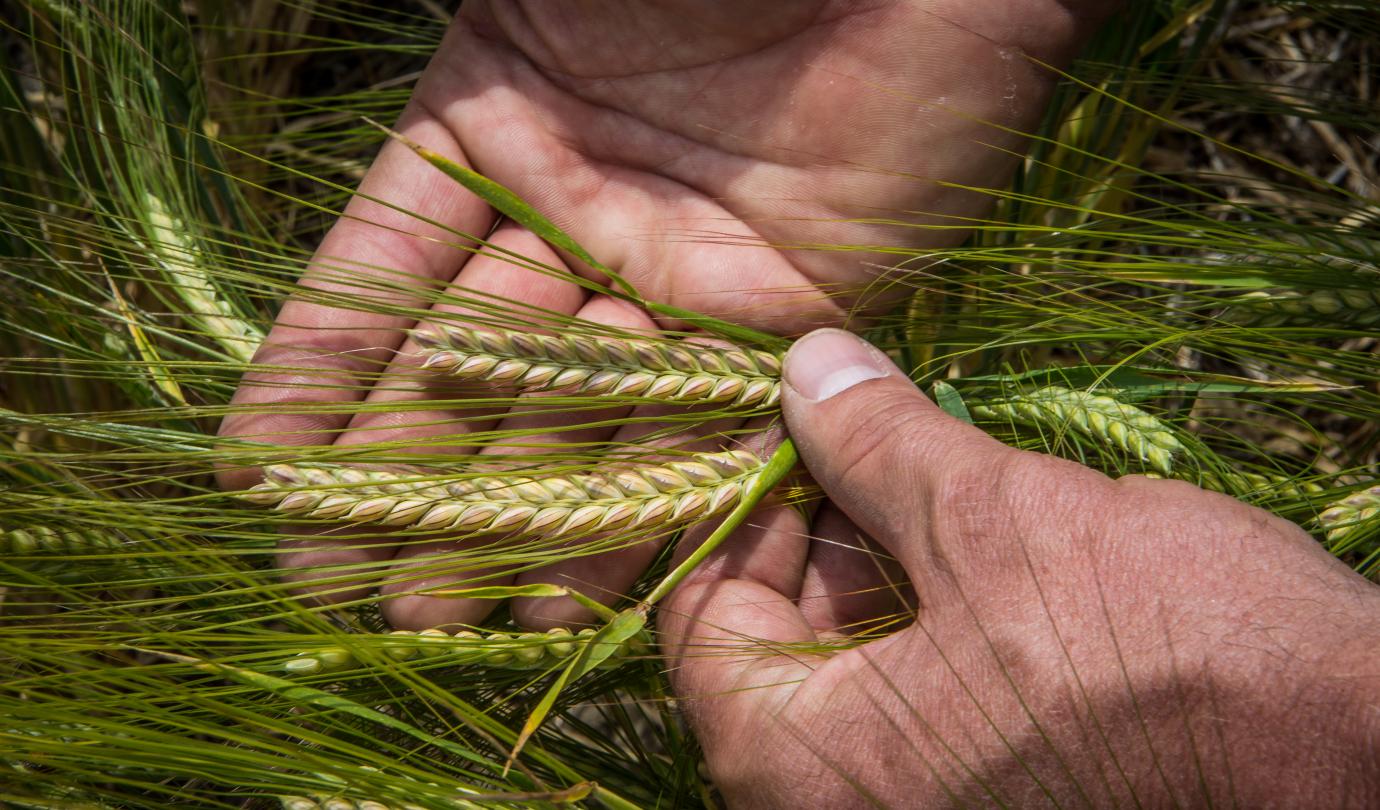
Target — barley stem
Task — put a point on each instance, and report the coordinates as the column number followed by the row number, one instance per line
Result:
column 766, row 479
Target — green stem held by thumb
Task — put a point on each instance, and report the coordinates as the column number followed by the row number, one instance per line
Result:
column 777, row 467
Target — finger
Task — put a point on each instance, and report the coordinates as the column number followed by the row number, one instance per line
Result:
column 543, row 432
column 722, row 626
column 851, row 585
column 469, row 562
column 375, row 254
column 334, row 565
column 397, row 412
column 885, row 454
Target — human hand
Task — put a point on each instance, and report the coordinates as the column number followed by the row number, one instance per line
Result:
column 1078, row 640
column 679, row 142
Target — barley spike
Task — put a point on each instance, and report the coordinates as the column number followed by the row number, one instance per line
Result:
column 629, row 497
column 45, row 539
column 1351, row 515
column 335, row 800
column 673, row 371
column 1254, row 484
column 1345, row 306
column 179, row 256
column 520, row 651
column 1095, row 415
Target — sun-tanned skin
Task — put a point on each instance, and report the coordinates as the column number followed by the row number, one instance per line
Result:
column 1078, row 639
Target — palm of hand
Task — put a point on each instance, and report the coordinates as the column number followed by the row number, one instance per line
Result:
column 670, row 138
column 672, row 141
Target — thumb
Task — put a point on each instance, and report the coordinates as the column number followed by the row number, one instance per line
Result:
column 880, row 449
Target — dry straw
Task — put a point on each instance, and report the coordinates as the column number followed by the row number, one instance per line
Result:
column 672, row 371
column 495, row 650
column 1095, row 415
column 623, row 497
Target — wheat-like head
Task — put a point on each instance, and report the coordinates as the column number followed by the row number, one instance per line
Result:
column 1255, row 484
column 672, row 371
column 45, row 539
column 1352, row 515
column 179, row 256
column 1094, row 415
column 1349, row 306
column 629, row 496
column 494, row 650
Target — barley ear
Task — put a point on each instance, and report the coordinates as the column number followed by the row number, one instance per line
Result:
column 621, row 497
column 1253, row 484
column 507, row 651
column 47, row 540
column 1348, row 306
column 1352, row 516
column 178, row 255
column 671, row 371
column 1096, row 416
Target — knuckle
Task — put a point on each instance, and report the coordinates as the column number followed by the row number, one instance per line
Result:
column 1171, row 496
column 972, row 489
column 1016, row 487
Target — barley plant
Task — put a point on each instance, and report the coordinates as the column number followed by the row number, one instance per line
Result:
column 1180, row 281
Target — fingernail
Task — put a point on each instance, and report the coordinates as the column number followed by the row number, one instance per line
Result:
column 828, row 362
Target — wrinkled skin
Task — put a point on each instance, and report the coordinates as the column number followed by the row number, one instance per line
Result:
column 678, row 142
column 1078, row 640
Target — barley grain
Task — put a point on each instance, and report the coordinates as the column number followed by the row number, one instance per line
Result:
column 671, row 371
column 340, row 803
column 1094, row 415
